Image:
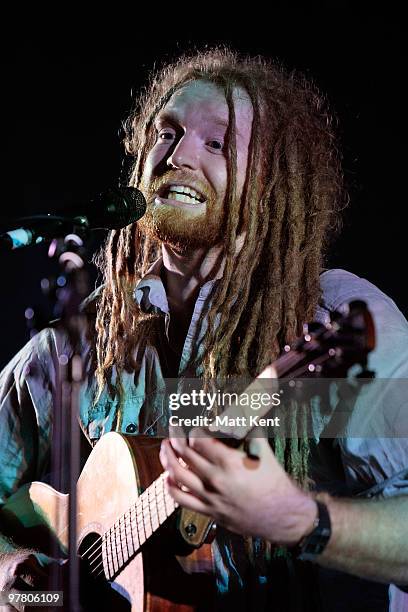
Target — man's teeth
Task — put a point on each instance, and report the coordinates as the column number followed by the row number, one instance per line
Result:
column 184, row 194
column 181, row 197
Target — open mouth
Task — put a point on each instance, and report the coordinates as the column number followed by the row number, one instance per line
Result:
column 182, row 193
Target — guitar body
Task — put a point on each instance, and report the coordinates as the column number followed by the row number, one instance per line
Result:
column 117, row 470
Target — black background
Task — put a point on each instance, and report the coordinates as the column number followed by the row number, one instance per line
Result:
column 69, row 85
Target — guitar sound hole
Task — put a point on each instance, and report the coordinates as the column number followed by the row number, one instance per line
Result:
column 90, row 551
column 96, row 593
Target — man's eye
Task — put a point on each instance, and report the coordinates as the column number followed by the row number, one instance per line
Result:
column 166, row 136
column 216, row 144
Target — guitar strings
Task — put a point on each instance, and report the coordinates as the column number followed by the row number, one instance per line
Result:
column 157, row 494
column 98, row 552
column 94, row 554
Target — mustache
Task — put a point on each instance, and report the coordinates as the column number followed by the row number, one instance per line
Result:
column 180, row 177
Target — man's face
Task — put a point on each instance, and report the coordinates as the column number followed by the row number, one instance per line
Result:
column 185, row 175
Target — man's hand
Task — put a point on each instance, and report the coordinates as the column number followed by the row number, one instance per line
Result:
column 249, row 496
column 21, row 570
column 24, row 570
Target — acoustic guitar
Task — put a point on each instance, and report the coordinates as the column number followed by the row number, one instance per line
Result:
column 127, row 522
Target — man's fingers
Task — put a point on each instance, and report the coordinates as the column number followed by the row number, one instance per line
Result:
column 185, row 499
column 180, row 474
column 197, row 463
column 176, row 432
column 179, row 444
column 212, row 449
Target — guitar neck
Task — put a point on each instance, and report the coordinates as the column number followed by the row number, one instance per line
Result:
column 240, row 418
column 126, row 536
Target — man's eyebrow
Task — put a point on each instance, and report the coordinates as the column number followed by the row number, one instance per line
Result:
column 163, row 116
column 224, row 123
column 166, row 116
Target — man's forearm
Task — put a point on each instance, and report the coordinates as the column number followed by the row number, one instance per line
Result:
column 369, row 538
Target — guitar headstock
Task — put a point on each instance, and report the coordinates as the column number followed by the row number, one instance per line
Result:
column 330, row 350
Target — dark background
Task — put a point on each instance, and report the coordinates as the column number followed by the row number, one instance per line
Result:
column 70, row 85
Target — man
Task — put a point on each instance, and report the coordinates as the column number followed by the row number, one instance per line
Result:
column 243, row 183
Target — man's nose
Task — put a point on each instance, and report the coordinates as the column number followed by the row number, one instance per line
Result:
column 184, row 154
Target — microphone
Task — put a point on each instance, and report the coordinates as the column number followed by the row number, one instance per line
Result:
column 112, row 209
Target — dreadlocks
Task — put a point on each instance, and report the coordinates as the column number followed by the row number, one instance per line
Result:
column 289, row 207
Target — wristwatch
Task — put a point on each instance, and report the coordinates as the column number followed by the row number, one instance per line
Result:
column 315, row 542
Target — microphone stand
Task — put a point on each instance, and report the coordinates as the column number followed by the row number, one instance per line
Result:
column 113, row 209
column 71, row 289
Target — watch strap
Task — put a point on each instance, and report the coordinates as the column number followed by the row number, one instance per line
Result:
column 315, row 542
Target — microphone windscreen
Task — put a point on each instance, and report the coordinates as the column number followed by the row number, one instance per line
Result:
column 116, row 208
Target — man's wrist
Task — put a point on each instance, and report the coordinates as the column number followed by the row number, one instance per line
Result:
column 310, row 519
column 301, row 517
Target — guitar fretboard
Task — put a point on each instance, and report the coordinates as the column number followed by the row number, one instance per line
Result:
column 123, row 540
